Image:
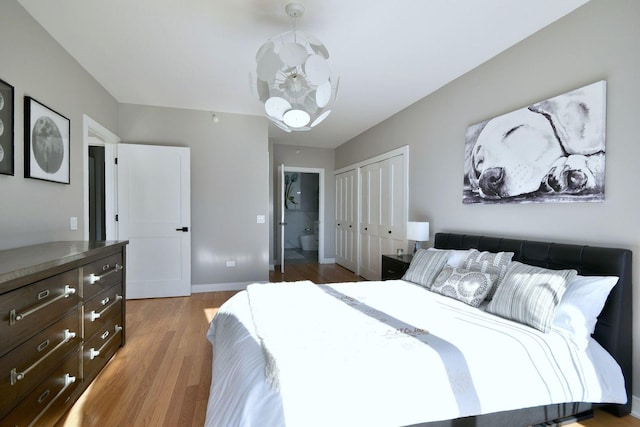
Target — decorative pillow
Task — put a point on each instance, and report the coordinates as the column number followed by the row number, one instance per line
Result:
column 489, row 262
column 470, row 287
column 456, row 256
column 530, row 294
column 425, row 266
column 578, row 311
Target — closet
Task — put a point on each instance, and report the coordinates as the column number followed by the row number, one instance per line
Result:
column 380, row 215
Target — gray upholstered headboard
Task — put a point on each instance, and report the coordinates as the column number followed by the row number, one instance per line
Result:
column 614, row 328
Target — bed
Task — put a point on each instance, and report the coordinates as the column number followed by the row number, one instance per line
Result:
column 383, row 353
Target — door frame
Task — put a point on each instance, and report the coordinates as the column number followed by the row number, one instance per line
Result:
column 93, row 133
column 321, row 202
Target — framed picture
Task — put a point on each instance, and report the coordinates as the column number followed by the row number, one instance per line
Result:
column 46, row 143
column 552, row 151
column 6, row 128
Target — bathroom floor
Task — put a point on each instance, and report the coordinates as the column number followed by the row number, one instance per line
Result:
column 298, row 256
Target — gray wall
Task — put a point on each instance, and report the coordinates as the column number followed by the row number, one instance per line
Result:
column 229, row 164
column 597, row 41
column 35, row 211
column 306, row 157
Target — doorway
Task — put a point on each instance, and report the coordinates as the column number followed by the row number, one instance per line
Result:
column 97, row 214
column 301, row 215
column 300, row 210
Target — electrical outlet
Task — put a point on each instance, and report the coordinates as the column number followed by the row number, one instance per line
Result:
column 73, row 223
column 260, row 219
column 231, row 263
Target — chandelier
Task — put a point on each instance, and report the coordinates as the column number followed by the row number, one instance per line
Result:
column 293, row 78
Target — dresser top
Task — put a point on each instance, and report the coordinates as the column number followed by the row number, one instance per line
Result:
column 28, row 260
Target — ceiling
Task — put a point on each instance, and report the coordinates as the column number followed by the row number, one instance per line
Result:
column 198, row 54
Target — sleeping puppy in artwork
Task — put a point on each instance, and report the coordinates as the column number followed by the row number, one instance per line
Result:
column 555, row 146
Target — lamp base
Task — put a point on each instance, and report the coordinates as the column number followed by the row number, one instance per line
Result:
column 416, row 247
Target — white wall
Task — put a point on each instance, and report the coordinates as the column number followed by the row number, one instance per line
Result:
column 35, row 211
column 229, row 186
column 597, row 41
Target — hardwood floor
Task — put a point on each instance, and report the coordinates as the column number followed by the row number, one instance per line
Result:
column 162, row 376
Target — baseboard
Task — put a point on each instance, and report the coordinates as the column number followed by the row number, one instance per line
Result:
column 635, row 406
column 327, row 261
column 219, row 287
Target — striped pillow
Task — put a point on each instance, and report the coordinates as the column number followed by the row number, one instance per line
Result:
column 530, row 294
column 489, row 262
column 425, row 266
column 470, row 287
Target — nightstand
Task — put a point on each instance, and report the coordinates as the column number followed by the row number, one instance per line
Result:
column 394, row 267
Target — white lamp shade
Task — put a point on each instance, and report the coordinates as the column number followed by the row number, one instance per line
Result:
column 418, row 231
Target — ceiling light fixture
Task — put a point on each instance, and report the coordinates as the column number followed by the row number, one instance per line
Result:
column 293, row 78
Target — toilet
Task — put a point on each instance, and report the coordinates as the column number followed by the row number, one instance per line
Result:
column 309, row 242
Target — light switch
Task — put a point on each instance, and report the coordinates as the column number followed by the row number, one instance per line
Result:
column 260, row 219
column 73, row 223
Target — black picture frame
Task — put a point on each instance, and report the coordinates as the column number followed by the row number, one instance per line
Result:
column 46, row 143
column 7, row 166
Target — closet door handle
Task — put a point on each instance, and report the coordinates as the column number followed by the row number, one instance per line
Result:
column 183, row 229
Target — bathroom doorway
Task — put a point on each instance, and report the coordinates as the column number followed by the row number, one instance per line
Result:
column 302, row 204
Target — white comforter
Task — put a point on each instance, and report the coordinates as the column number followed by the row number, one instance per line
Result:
column 386, row 354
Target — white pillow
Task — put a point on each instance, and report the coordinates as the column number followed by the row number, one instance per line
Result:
column 580, row 306
column 489, row 262
column 456, row 256
column 530, row 294
column 470, row 287
column 425, row 266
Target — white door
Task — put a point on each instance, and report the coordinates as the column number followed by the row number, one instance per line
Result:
column 369, row 228
column 346, row 219
column 154, row 215
column 393, row 217
column 281, row 222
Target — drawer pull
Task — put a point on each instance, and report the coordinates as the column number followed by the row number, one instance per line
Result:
column 93, row 278
column 93, row 353
column 14, row 316
column 68, row 380
column 44, row 344
column 19, row 375
column 44, row 395
column 96, row 315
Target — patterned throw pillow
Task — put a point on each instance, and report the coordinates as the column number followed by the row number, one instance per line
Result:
column 530, row 294
column 425, row 266
column 470, row 287
column 489, row 262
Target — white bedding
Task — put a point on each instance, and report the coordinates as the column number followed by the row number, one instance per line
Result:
column 385, row 354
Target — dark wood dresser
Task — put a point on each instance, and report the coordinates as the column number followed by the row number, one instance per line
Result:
column 394, row 267
column 62, row 317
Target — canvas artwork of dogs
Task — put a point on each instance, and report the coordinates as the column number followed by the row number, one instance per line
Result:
column 551, row 151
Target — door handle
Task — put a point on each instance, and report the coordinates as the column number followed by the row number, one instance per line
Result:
column 183, row 229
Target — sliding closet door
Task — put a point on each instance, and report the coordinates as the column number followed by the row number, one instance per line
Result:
column 393, row 216
column 369, row 228
column 346, row 220
column 382, row 213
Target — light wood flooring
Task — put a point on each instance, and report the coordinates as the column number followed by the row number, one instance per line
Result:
column 162, row 376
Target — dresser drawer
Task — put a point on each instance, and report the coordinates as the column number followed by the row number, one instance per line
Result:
column 29, row 309
column 27, row 365
column 43, row 406
column 102, row 274
column 99, row 311
column 98, row 349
